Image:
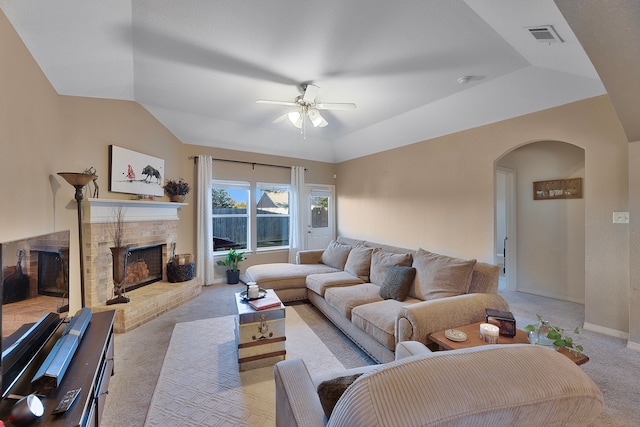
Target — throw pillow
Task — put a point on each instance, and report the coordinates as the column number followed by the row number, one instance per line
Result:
column 440, row 276
column 397, row 283
column 359, row 262
column 336, row 255
column 330, row 391
column 381, row 260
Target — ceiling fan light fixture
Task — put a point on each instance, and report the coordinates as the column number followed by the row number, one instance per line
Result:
column 316, row 118
column 306, row 108
column 323, row 123
column 295, row 118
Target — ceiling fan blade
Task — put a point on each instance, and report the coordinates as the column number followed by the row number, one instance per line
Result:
column 336, row 106
column 281, row 118
column 310, row 93
column 269, row 101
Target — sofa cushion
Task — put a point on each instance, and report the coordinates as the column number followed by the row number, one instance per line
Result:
column 336, row 255
column 319, row 283
column 485, row 278
column 281, row 275
column 397, row 283
column 330, row 391
column 378, row 319
column 344, row 299
column 359, row 262
column 381, row 260
column 440, row 276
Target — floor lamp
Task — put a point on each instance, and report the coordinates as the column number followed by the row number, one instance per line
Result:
column 79, row 180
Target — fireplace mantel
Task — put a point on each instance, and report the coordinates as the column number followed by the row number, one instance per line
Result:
column 101, row 211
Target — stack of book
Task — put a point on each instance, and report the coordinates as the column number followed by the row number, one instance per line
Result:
column 264, row 303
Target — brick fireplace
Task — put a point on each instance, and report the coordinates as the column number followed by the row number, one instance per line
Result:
column 146, row 224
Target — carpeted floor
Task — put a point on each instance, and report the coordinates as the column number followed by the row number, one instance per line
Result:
column 140, row 353
column 612, row 366
column 200, row 385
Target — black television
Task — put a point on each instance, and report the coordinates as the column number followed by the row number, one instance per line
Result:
column 35, row 298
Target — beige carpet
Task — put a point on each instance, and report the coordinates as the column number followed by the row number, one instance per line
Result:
column 200, row 385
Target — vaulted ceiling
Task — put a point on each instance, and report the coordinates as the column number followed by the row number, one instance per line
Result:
column 609, row 31
column 199, row 65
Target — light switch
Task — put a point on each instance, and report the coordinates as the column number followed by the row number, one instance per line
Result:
column 621, row 217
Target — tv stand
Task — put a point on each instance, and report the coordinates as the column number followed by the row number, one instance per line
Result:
column 90, row 369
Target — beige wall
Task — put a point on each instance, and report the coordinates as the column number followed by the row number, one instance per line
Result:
column 439, row 194
column 550, row 233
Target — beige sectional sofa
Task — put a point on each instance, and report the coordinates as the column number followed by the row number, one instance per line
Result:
column 345, row 282
column 496, row 385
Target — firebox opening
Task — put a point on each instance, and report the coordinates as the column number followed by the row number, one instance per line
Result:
column 37, row 272
column 52, row 274
column 144, row 266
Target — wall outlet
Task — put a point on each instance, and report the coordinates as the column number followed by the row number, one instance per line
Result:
column 621, row 217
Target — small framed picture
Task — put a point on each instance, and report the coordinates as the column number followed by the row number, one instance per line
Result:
column 135, row 173
column 558, row 189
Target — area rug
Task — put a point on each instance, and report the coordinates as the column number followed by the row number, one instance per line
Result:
column 199, row 384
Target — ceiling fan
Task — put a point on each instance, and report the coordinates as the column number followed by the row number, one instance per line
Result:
column 305, row 106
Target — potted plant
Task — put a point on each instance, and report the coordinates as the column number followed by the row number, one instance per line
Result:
column 231, row 262
column 546, row 334
column 177, row 190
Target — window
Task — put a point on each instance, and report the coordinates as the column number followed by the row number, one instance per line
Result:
column 230, row 215
column 319, row 204
column 272, row 215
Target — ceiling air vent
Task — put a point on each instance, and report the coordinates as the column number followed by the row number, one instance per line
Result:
column 545, row 34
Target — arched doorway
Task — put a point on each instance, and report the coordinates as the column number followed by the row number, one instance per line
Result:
column 548, row 234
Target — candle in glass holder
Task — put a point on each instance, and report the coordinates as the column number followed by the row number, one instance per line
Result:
column 253, row 291
column 489, row 333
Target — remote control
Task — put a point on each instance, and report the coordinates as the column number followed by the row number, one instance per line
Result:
column 67, row 401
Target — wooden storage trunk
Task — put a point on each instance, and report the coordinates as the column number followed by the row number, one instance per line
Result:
column 260, row 335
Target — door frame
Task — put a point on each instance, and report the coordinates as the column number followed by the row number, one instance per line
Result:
column 510, row 219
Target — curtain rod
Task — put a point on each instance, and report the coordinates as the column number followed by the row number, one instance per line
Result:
column 253, row 164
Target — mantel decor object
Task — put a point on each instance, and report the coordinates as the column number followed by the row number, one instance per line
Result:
column 177, row 190
column 135, row 173
column 79, row 180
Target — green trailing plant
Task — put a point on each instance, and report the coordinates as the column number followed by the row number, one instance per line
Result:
column 557, row 335
column 177, row 188
column 232, row 260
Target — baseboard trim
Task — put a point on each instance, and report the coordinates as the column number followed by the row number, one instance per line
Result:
column 606, row 331
column 633, row 346
column 548, row 295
